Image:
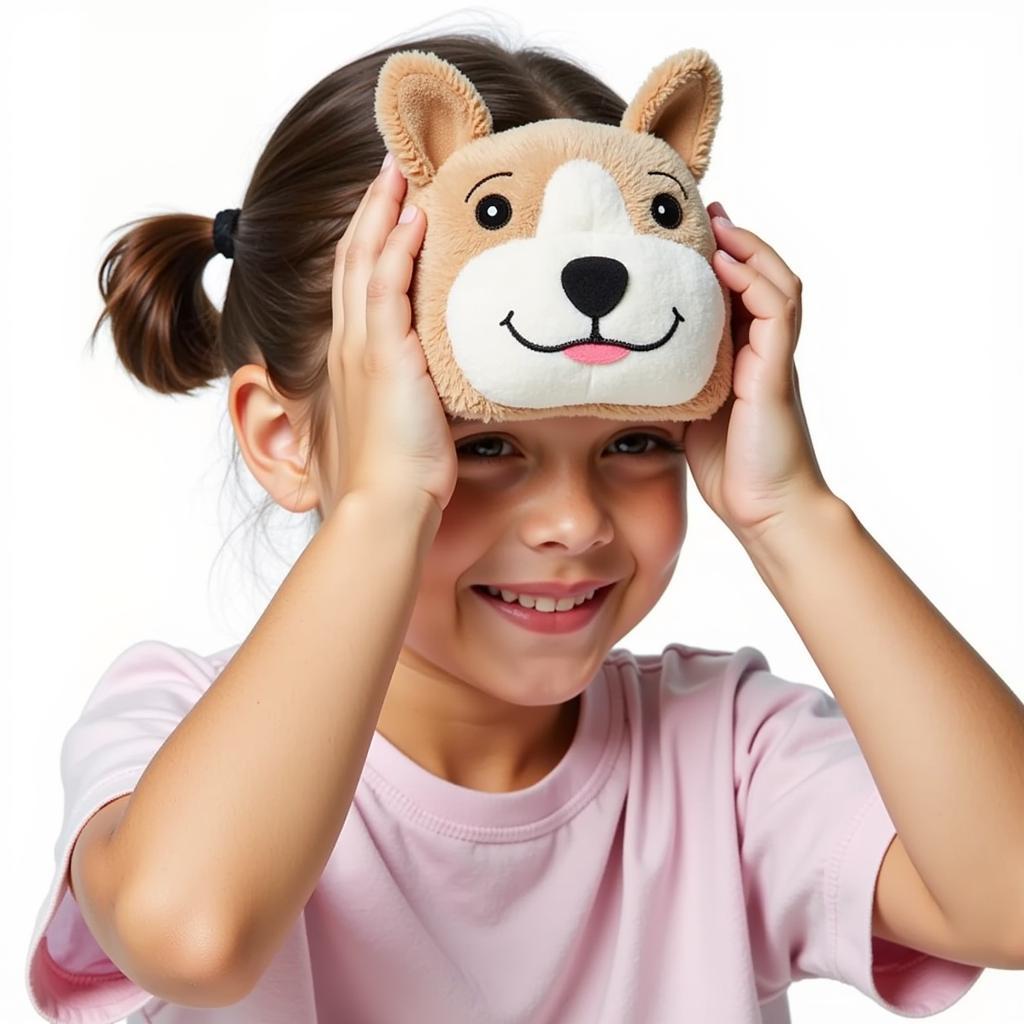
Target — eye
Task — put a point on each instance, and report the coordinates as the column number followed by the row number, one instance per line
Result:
column 665, row 209
column 493, row 211
column 467, row 446
column 660, row 444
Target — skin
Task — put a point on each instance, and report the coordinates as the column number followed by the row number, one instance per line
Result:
column 474, row 699
column 468, row 708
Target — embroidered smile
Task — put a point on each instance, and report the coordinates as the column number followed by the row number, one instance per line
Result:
column 595, row 336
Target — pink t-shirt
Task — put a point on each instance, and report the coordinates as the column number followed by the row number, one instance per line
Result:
column 712, row 834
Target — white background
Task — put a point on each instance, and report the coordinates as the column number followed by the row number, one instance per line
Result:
column 878, row 149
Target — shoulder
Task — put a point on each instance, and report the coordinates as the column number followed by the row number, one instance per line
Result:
column 158, row 658
column 681, row 671
column 687, row 698
column 153, row 673
column 710, row 699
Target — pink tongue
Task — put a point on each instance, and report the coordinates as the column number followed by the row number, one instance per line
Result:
column 596, row 354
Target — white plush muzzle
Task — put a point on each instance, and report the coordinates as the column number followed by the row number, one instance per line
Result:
column 630, row 295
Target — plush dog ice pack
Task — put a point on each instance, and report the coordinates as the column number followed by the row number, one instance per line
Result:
column 565, row 269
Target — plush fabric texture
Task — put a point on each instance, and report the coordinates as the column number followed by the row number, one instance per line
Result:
column 565, row 269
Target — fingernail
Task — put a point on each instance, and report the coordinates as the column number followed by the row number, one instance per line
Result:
column 727, row 257
column 388, row 160
column 723, row 221
column 408, row 212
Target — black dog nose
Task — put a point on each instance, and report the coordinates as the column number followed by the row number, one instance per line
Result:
column 594, row 284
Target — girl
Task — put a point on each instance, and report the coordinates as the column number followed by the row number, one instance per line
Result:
column 420, row 789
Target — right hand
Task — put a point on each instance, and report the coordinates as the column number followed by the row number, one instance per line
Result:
column 391, row 428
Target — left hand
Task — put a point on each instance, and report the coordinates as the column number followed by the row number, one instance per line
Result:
column 753, row 461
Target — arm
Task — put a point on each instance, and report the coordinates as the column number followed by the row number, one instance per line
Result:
column 231, row 825
column 154, row 966
column 942, row 734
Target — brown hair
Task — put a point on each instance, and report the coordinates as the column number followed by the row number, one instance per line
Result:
column 306, row 185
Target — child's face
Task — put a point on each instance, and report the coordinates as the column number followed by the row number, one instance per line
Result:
column 561, row 499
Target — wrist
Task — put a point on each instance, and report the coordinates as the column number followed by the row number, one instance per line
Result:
column 778, row 547
column 399, row 509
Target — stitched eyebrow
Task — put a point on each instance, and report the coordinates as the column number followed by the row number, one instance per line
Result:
column 508, row 174
column 674, row 178
column 497, row 174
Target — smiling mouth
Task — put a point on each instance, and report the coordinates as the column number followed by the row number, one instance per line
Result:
column 595, row 337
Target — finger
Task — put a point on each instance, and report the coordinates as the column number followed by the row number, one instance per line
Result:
column 388, row 308
column 375, row 223
column 755, row 251
column 772, row 332
column 337, row 310
column 751, row 248
column 334, row 345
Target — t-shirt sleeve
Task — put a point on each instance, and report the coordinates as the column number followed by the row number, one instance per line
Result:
column 813, row 831
column 136, row 704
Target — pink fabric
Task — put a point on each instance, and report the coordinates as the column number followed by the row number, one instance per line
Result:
column 712, row 834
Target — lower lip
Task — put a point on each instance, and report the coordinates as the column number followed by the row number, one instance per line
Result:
column 547, row 622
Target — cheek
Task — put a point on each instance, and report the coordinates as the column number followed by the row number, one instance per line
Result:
column 466, row 533
column 650, row 515
column 463, row 540
column 435, row 613
column 657, row 522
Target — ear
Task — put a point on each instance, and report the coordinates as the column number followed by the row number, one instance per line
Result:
column 426, row 109
column 680, row 102
column 265, row 426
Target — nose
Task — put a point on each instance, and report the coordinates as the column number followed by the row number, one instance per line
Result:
column 566, row 514
column 595, row 284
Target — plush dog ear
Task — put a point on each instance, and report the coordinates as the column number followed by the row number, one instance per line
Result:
column 680, row 102
column 426, row 109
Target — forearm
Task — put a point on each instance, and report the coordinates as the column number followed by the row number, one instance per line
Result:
column 234, row 819
column 942, row 734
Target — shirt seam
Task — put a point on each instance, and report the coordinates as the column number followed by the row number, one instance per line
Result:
column 832, row 898
column 831, row 893
column 497, row 833
column 76, row 977
column 104, row 781
column 85, row 800
column 510, row 833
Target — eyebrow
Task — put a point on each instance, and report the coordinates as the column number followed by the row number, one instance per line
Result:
column 497, row 174
column 458, row 421
column 508, row 174
column 675, row 179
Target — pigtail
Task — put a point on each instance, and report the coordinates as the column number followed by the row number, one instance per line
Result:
column 164, row 326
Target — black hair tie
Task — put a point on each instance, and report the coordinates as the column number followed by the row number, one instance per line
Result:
column 224, row 225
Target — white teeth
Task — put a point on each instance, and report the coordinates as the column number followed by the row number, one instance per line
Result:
column 542, row 603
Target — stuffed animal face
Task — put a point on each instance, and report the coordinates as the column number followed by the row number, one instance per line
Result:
column 565, row 268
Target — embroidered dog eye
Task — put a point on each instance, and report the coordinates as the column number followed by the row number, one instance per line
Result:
column 493, row 211
column 665, row 209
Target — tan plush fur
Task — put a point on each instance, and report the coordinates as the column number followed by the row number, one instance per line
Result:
column 436, row 124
